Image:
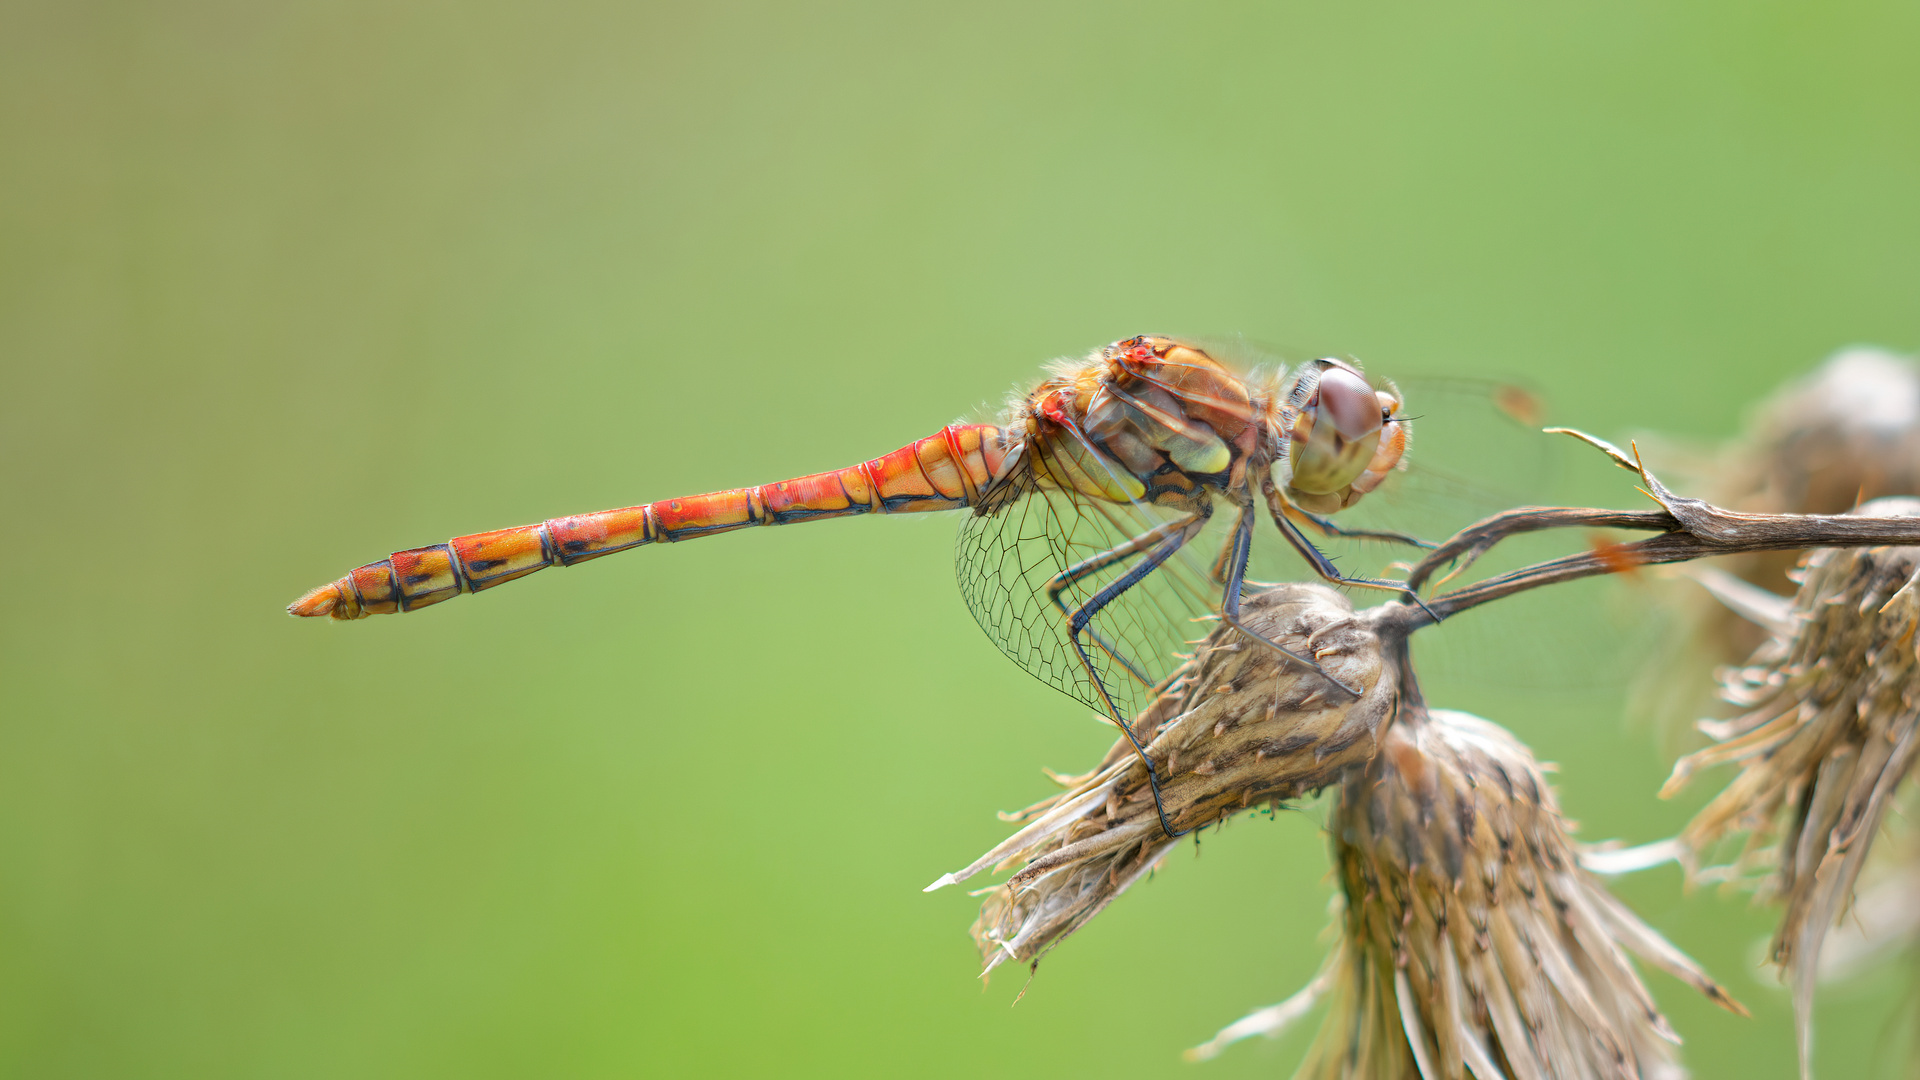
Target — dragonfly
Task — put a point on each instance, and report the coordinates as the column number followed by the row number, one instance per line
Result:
column 1081, row 511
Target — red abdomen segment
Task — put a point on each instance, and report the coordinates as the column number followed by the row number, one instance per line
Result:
column 944, row 471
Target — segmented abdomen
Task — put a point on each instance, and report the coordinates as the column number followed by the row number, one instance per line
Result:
column 945, row 471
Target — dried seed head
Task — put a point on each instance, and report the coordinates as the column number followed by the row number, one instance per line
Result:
column 1240, row 726
column 1883, row 919
column 1820, row 445
column 1832, row 728
column 1472, row 940
column 1846, row 433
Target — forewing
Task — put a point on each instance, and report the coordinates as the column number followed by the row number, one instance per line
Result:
column 1476, row 450
column 1008, row 552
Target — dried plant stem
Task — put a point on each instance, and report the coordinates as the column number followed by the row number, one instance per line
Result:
column 1690, row 528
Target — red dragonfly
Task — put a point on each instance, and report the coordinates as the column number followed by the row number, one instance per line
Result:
column 1080, row 507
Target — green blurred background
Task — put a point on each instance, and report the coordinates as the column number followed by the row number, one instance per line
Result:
column 286, row 287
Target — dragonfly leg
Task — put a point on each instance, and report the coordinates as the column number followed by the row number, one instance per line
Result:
column 1282, row 510
column 1330, row 527
column 1159, row 545
column 1223, row 562
column 1096, row 563
column 1239, row 548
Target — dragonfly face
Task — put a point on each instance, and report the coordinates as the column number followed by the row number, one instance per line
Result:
column 1344, row 438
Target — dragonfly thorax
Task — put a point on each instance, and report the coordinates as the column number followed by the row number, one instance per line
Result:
column 1146, row 419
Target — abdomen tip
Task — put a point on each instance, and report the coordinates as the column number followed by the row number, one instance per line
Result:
column 324, row 600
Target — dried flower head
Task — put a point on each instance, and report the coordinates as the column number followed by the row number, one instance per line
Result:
column 1849, row 430
column 1846, row 433
column 1239, row 726
column 1472, row 940
column 1883, row 919
column 1831, row 729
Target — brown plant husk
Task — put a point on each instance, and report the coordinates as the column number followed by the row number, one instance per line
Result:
column 1471, row 937
column 1846, row 433
column 1239, row 726
column 1472, row 941
column 1831, row 730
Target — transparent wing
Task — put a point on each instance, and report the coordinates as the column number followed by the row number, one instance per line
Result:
column 1025, row 535
column 1476, row 449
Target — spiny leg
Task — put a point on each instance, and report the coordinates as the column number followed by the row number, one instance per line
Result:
column 1165, row 541
column 1223, row 562
column 1278, row 505
column 1093, row 564
column 1330, row 527
column 1234, row 555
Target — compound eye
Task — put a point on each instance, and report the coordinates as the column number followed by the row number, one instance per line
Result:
column 1354, row 409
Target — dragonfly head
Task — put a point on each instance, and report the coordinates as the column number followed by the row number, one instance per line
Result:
column 1338, row 431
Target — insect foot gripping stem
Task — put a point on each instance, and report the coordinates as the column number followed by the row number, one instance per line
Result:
column 1240, row 726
